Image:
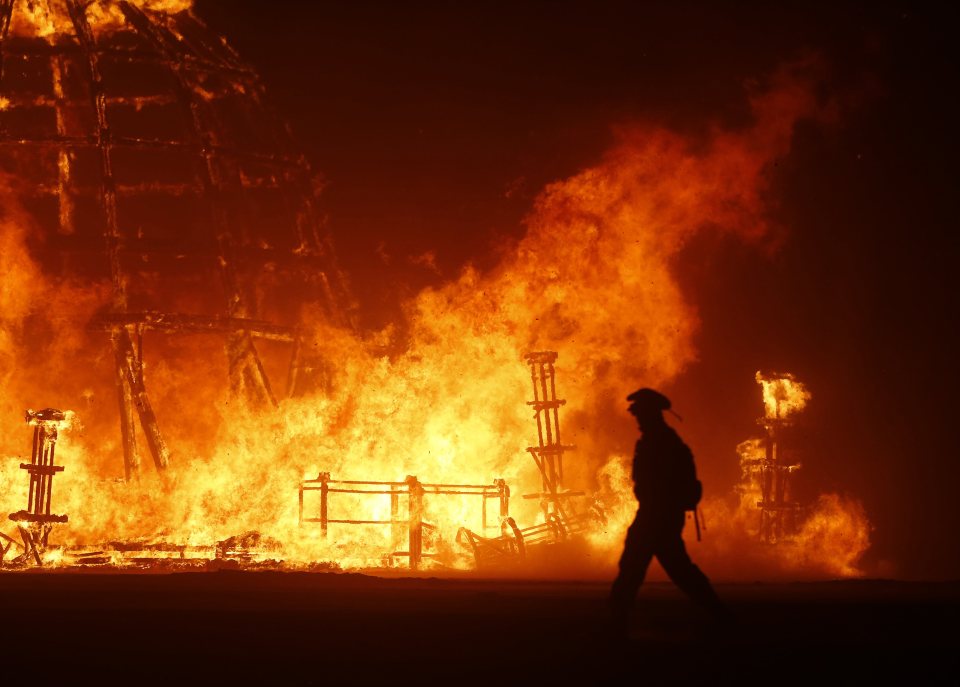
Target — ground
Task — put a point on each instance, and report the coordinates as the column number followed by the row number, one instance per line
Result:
column 243, row 627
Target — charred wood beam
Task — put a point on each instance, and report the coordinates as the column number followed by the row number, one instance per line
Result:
column 30, row 545
column 130, row 387
column 65, row 198
column 152, row 188
column 112, row 236
column 248, row 379
column 43, row 100
column 135, row 142
column 27, row 48
column 295, row 370
column 199, row 324
column 125, row 394
column 130, row 373
column 6, row 8
column 128, row 435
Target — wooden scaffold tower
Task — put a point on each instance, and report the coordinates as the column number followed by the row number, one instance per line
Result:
column 780, row 513
column 548, row 453
column 36, row 521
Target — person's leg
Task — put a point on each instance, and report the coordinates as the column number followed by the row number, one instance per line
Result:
column 672, row 554
column 636, row 557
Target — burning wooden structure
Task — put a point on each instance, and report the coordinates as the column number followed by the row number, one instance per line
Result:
column 140, row 145
column 548, row 453
column 499, row 541
column 155, row 182
column 406, row 522
column 36, row 521
column 560, row 518
column 770, row 474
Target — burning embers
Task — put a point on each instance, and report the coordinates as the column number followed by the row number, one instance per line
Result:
column 171, row 201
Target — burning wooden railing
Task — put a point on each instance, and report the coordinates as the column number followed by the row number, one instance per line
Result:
column 144, row 149
column 414, row 492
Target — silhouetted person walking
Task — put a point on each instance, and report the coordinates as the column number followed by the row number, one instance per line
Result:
column 666, row 485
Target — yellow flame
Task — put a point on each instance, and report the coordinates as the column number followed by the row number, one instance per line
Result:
column 48, row 19
column 36, row 18
column 592, row 278
column 783, row 395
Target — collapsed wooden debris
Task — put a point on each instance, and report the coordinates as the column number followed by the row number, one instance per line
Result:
column 247, row 547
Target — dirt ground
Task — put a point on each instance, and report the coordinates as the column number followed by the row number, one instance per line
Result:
column 234, row 627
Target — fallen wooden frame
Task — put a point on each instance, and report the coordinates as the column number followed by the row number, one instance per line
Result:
column 514, row 543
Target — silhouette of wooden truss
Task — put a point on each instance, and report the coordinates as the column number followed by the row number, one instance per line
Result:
column 142, row 148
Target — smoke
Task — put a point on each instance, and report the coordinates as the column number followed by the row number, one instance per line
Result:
column 594, row 277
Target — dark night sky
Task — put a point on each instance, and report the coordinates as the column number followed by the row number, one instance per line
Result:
column 436, row 124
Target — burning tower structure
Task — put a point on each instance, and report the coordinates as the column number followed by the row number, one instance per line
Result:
column 768, row 465
column 36, row 521
column 141, row 148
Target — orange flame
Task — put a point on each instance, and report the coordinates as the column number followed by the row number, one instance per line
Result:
column 48, row 19
column 783, row 395
column 592, row 278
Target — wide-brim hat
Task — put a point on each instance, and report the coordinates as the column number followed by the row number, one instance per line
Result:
column 648, row 400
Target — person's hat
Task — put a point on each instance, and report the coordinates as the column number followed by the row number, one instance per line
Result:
column 648, row 400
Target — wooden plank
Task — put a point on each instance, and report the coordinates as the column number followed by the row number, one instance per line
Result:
column 128, row 435
column 128, row 363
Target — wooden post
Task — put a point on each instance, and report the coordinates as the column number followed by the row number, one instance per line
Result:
column 300, row 510
column 556, row 423
column 395, row 535
column 324, row 496
column 133, row 377
column 483, row 514
column 128, row 434
column 415, row 521
column 504, row 492
column 294, row 371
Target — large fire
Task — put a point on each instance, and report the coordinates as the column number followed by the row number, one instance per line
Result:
column 593, row 278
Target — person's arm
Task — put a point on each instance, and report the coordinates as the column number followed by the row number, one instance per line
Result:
column 641, row 472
